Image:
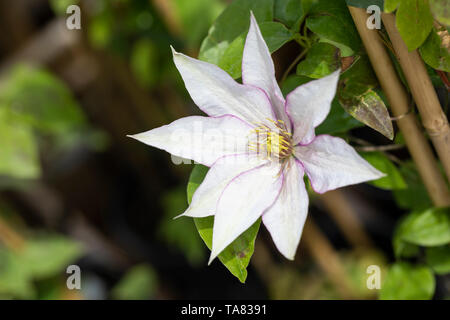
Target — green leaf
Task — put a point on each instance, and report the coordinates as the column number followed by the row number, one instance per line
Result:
column 321, row 60
column 393, row 179
column 408, row 282
column 59, row 7
column 292, row 82
column 18, row 152
column 370, row 109
column 236, row 256
column 331, row 20
column 15, row 280
column 416, row 196
column 337, row 121
column 274, row 33
column 42, row 99
column 188, row 13
column 233, row 22
column 196, row 178
column 365, row 3
column 41, row 257
column 414, row 22
column 289, row 12
column 391, row 5
column 434, row 53
column 430, row 227
column 438, row 258
column 441, row 10
column 357, row 97
column 140, row 283
column 48, row 255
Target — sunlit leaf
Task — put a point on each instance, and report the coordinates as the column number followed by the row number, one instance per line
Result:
column 391, row 5
column 414, row 22
column 188, row 13
column 405, row 281
column 430, row 227
column 233, row 22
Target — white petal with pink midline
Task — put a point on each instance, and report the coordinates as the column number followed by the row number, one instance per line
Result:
column 217, row 94
column 204, row 201
column 331, row 163
column 309, row 105
column 202, row 139
column 286, row 218
column 258, row 69
column 243, row 201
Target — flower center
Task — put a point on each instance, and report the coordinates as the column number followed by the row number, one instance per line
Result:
column 272, row 142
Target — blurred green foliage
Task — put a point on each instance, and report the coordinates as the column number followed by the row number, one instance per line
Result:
column 42, row 257
column 139, row 283
column 180, row 233
column 38, row 110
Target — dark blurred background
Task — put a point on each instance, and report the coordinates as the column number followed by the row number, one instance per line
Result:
column 75, row 190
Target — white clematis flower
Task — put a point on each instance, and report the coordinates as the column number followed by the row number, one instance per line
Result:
column 273, row 144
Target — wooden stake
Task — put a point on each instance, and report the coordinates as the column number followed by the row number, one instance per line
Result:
column 327, row 259
column 416, row 142
column 340, row 209
column 433, row 118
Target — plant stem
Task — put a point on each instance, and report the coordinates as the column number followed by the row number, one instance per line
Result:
column 433, row 118
column 293, row 64
column 416, row 142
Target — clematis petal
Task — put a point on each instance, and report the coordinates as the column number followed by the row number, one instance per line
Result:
column 331, row 163
column 286, row 218
column 258, row 69
column 202, row 139
column 242, row 202
column 309, row 104
column 217, row 94
column 204, row 201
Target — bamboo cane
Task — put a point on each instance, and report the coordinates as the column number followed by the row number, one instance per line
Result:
column 327, row 258
column 416, row 142
column 343, row 213
column 433, row 118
